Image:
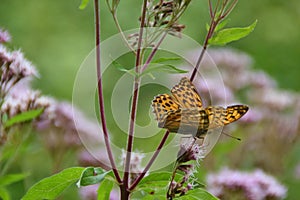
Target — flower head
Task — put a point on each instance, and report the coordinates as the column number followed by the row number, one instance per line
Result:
column 190, row 150
column 250, row 186
column 4, row 36
column 14, row 68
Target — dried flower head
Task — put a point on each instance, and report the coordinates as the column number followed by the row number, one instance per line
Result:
column 190, row 150
column 242, row 185
column 165, row 14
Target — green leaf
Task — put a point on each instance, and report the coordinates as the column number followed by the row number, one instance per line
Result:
column 153, row 67
column 122, row 68
column 154, row 197
column 231, row 34
column 91, row 176
column 160, row 60
column 221, row 25
column 207, row 26
column 83, row 4
column 53, row 186
column 11, row 178
column 156, row 183
column 105, row 189
column 23, row 117
column 157, row 177
column 197, row 194
column 4, row 195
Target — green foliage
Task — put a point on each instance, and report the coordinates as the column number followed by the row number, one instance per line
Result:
column 155, row 66
column 105, row 189
column 23, row 117
column 83, row 4
column 91, row 176
column 159, row 65
column 120, row 67
column 6, row 180
column 228, row 35
column 53, row 186
column 4, row 195
column 155, row 186
column 198, row 194
column 11, row 178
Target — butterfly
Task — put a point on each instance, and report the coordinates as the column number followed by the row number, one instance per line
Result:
column 182, row 112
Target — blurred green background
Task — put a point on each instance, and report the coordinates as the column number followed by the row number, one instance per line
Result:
column 56, row 36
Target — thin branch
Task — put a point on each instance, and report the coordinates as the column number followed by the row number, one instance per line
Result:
column 100, row 94
column 216, row 9
column 210, row 9
column 134, row 98
column 209, row 34
column 151, row 161
column 114, row 15
column 154, row 51
column 122, row 33
column 233, row 4
column 213, row 24
column 172, row 179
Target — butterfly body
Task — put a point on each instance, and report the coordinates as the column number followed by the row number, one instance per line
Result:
column 182, row 112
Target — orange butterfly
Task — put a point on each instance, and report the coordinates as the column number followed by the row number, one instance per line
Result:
column 182, row 112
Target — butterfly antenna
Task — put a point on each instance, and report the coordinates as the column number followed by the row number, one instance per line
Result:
column 239, row 139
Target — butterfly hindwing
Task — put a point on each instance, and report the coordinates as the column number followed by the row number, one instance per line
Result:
column 219, row 116
column 186, row 121
column 186, row 94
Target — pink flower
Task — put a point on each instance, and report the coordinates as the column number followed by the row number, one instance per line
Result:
column 4, row 36
column 20, row 66
column 190, row 150
column 247, row 185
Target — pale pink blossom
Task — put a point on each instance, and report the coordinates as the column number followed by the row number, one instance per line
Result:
column 4, row 36
column 248, row 185
column 135, row 167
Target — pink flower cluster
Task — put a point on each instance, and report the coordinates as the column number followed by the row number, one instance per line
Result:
column 246, row 185
column 56, row 124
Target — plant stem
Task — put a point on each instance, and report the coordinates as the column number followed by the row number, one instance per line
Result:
column 172, row 179
column 213, row 24
column 154, row 51
column 149, row 164
column 121, row 32
column 134, row 99
column 100, row 94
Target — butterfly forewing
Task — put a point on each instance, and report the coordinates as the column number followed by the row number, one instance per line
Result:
column 186, row 94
